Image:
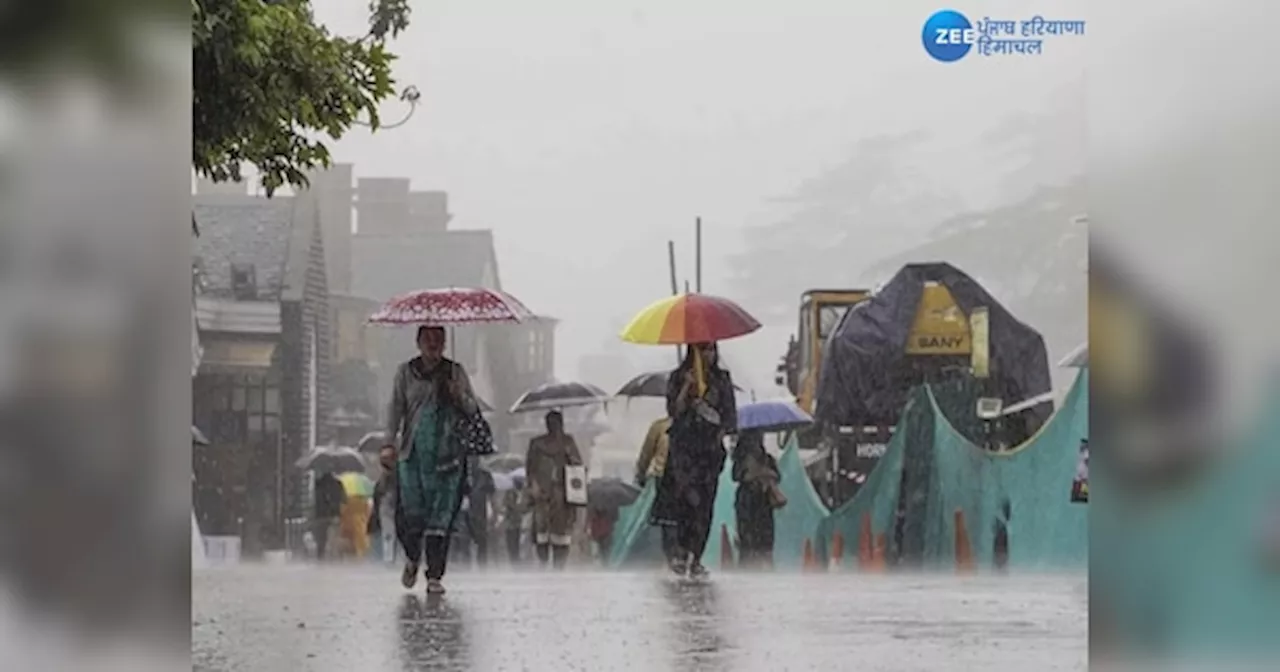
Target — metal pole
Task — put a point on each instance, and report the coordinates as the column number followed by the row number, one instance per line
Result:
column 675, row 287
column 697, row 243
column 671, row 264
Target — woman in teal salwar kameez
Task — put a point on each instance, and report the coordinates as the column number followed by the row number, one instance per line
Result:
column 429, row 390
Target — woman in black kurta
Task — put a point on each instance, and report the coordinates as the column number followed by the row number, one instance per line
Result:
column 686, row 495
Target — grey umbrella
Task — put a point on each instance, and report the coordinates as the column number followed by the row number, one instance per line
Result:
column 503, row 463
column 559, row 395
column 652, row 384
column 371, row 442
column 332, row 460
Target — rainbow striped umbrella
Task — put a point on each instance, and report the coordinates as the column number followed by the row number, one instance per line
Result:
column 689, row 318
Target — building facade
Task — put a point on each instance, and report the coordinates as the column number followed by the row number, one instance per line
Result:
column 261, row 392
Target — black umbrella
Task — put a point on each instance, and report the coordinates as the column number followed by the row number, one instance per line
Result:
column 652, row 384
column 610, row 493
column 559, row 395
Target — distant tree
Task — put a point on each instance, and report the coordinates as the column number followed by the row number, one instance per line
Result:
column 269, row 83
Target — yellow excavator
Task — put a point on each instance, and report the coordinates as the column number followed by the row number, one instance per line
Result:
column 940, row 329
column 820, row 313
column 941, row 340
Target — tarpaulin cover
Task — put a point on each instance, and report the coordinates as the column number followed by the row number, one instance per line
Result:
column 1026, row 490
column 865, row 356
column 637, row 542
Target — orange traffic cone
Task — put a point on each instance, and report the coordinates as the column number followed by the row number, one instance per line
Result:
column 837, row 550
column 810, row 562
column 726, row 548
column 964, row 550
column 864, row 542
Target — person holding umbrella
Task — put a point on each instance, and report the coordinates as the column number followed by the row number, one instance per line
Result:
column 605, row 499
column 758, row 477
column 702, row 408
column 756, row 473
column 428, row 394
column 701, row 405
column 329, row 496
column 553, row 516
column 353, row 516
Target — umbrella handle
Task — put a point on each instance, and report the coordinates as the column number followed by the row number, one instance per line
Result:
column 699, row 375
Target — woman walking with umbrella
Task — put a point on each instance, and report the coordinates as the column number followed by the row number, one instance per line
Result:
column 756, row 473
column 434, row 422
column 702, row 409
column 428, row 391
column 553, row 515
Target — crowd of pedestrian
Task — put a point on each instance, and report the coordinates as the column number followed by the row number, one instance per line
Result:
column 434, row 501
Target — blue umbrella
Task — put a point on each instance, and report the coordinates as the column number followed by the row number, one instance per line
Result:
column 772, row 416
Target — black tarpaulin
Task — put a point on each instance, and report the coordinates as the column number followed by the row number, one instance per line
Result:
column 867, row 376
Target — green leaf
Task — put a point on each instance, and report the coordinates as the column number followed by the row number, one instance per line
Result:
column 270, row 86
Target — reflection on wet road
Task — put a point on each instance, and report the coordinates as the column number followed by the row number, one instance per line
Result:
column 359, row 618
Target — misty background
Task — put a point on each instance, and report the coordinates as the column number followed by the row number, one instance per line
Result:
column 818, row 141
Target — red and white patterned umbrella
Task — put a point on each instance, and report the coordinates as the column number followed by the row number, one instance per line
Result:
column 452, row 305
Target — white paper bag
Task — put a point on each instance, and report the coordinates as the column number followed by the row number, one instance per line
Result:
column 575, row 485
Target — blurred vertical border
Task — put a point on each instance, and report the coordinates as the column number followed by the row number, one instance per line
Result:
column 95, row 272
column 1185, row 482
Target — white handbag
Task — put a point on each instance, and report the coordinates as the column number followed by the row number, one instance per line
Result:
column 575, row 485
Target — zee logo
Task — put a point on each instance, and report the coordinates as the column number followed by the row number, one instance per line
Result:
column 948, row 35
column 956, row 36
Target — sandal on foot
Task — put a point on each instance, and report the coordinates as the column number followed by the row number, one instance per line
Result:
column 409, row 577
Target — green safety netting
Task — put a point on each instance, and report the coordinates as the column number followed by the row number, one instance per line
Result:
column 1193, row 572
column 637, row 542
column 634, row 540
column 940, row 471
column 799, row 519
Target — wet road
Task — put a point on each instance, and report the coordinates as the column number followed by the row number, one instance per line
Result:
column 300, row 618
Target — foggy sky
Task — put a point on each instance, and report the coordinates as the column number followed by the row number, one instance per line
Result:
column 585, row 136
